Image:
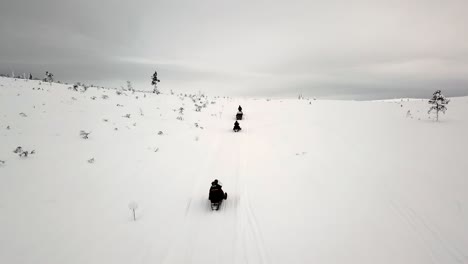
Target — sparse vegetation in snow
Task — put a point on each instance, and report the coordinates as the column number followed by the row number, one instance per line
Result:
column 84, row 134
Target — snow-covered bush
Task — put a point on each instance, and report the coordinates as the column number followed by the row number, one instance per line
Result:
column 130, row 87
column 18, row 150
column 84, row 134
column 408, row 114
column 438, row 102
column 23, row 153
column 133, row 206
column 49, row 77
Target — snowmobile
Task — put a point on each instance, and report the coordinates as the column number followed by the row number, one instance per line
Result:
column 239, row 115
column 216, row 197
column 215, row 205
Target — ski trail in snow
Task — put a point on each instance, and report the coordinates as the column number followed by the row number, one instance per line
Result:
column 232, row 234
column 207, row 236
column 439, row 247
column 252, row 239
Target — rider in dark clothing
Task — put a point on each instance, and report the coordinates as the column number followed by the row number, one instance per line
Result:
column 236, row 127
column 239, row 108
column 216, row 192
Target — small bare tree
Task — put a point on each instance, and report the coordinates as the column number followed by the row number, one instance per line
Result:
column 130, row 87
column 439, row 102
column 154, row 82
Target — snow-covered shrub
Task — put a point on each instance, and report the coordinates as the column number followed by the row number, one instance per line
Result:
column 91, row 161
column 127, row 116
column 84, row 134
column 23, row 114
column 180, row 118
column 130, row 87
column 408, row 114
column 438, row 102
column 18, row 149
column 23, row 153
column 104, row 96
column 2, row 162
column 160, row 133
column 75, row 87
column 133, row 206
column 49, row 77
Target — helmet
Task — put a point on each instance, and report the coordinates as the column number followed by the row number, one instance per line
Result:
column 215, row 181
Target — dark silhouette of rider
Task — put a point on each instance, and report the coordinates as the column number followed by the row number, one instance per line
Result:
column 236, row 127
column 216, row 192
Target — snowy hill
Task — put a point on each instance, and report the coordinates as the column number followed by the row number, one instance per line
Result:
column 309, row 181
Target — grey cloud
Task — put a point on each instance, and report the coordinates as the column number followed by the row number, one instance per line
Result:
column 343, row 49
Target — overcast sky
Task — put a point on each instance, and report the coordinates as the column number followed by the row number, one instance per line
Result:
column 340, row 49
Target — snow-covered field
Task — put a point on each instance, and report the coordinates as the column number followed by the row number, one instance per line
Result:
column 309, row 181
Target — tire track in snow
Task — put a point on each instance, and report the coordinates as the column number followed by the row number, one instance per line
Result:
column 430, row 236
column 188, row 233
column 208, row 236
column 249, row 226
column 451, row 250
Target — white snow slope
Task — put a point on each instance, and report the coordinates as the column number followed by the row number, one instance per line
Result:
column 308, row 181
